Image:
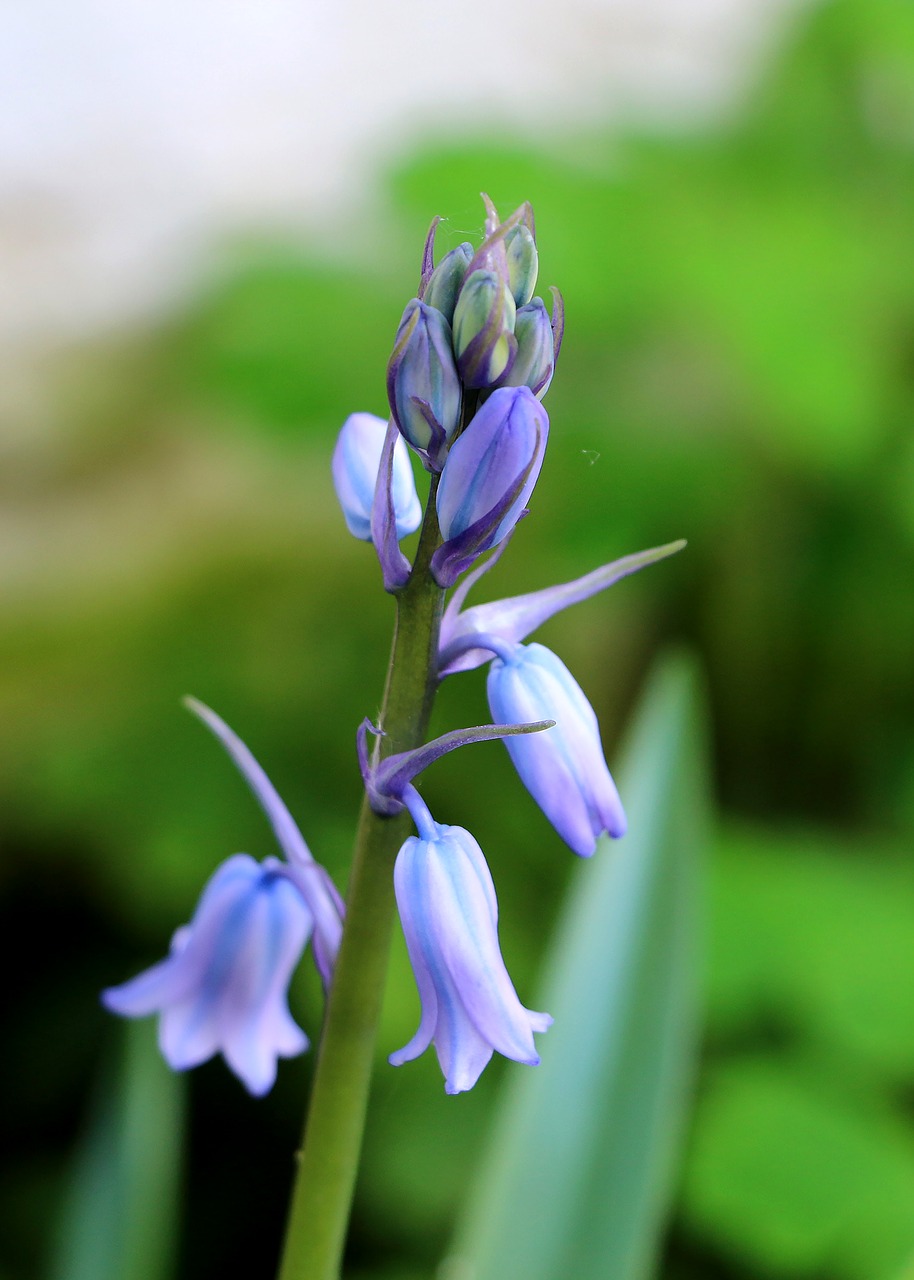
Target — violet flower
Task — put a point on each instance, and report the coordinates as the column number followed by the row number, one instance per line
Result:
column 312, row 880
column 564, row 770
column 449, row 914
column 223, row 986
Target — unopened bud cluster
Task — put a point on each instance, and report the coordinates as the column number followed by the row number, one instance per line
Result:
column 473, row 327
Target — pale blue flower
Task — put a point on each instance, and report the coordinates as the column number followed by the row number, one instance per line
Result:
column 313, row 881
column 564, row 770
column 223, row 986
column 449, row 914
column 356, row 461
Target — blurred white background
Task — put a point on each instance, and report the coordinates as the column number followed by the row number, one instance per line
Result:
column 134, row 136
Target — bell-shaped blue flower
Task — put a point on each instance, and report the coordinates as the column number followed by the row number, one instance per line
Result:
column 450, row 920
column 488, row 479
column 564, row 770
column 422, row 384
column 223, row 986
column 356, row 460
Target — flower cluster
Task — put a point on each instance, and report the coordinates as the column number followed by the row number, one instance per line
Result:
column 474, row 353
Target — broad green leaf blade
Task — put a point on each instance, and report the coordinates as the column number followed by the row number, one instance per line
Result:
column 120, row 1216
column 577, row 1179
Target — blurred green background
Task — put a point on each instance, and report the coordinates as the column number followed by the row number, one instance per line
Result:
column 739, row 370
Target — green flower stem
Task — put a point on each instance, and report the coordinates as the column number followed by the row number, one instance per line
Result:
column 325, row 1181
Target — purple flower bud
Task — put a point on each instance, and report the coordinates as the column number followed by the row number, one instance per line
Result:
column 490, row 474
column 356, row 460
column 446, row 279
column 223, row 986
column 484, row 329
column 564, row 769
column 534, row 363
column 450, row 920
column 422, row 383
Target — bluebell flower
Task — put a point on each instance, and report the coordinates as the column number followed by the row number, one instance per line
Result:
column 489, row 476
column 449, row 914
column 356, row 462
column 564, row 770
column 223, row 986
column 312, row 880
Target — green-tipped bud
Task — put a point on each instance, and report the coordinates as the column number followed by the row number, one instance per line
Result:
column 484, row 329
column 534, row 363
column 446, row 279
column 520, row 248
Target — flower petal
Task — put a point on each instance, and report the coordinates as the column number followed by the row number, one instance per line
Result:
column 515, row 617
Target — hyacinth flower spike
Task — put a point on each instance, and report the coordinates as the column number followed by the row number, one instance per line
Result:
column 223, row 986
column 449, row 914
column 312, row 880
column 514, row 618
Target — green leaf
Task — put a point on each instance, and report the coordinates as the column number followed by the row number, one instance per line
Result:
column 577, row 1179
column 120, row 1214
column 794, row 1172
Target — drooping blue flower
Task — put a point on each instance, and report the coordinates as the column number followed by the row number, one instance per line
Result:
column 489, row 476
column 449, row 914
column 356, row 461
column 223, row 986
column 312, row 880
column 564, row 770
